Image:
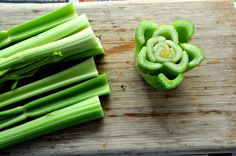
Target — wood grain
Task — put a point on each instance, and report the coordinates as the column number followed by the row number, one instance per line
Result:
column 197, row 117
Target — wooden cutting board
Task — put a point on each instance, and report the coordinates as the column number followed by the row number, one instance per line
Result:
column 197, row 117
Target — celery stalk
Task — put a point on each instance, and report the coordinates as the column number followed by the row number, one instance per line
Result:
column 84, row 111
column 74, row 25
column 80, row 72
column 95, row 87
column 37, row 25
column 27, row 71
column 78, row 43
column 91, row 52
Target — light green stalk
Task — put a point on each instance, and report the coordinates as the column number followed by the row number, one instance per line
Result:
column 74, row 25
column 95, row 87
column 37, row 25
column 75, row 74
column 80, row 112
column 34, row 58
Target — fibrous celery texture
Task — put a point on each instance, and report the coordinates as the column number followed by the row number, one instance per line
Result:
column 69, row 27
column 80, row 112
column 75, row 74
column 162, row 54
column 26, row 63
column 94, row 87
column 37, row 25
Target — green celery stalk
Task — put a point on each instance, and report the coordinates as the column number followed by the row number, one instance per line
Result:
column 74, row 25
column 84, row 111
column 94, row 51
column 37, row 25
column 80, row 42
column 95, row 87
column 27, row 71
column 75, row 74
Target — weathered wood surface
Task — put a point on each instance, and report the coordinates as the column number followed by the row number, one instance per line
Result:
column 198, row 117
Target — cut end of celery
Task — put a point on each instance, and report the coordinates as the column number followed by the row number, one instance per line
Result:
column 185, row 29
column 100, row 46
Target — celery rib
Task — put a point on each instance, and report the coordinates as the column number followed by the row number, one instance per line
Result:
column 74, row 25
column 80, row 72
column 37, row 25
column 57, row 50
column 86, row 110
column 83, row 44
column 95, row 87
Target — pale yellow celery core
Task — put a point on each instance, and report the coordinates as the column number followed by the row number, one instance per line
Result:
column 167, row 53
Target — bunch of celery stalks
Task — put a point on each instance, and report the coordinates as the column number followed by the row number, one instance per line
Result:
column 60, row 100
